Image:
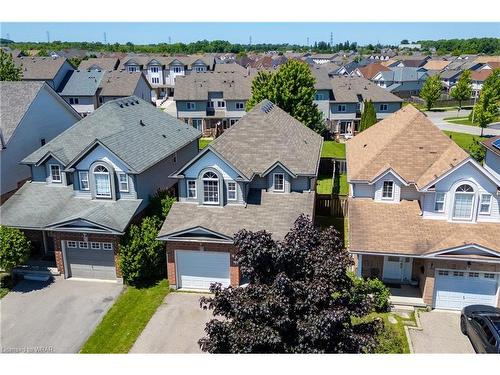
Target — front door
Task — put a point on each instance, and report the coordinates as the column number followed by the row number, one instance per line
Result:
column 397, row 268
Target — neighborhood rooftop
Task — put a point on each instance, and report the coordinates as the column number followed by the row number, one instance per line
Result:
column 120, row 83
column 82, row 83
column 39, row 68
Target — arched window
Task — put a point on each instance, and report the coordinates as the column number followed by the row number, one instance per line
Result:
column 210, row 188
column 464, row 201
column 102, row 181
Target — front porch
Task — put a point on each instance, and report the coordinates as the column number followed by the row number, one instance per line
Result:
column 406, row 295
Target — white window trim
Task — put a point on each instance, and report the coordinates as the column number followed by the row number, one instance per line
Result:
column 383, row 110
column 480, row 203
column 81, row 179
column 218, row 190
column 436, row 201
column 52, row 176
column 392, row 191
column 471, row 211
column 191, row 105
column 83, row 244
column 120, row 182
column 240, row 104
column 71, row 244
column 274, row 182
column 110, row 195
column 195, row 189
column 221, row 104
column 341, row 108
column 235, row 191
column 98, row 244
column 106, row 244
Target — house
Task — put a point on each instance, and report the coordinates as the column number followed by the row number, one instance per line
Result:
column 245, row 179
column 438, row 65
column 347, row 69
column 121, row 84
column 212, row 102
column 31, row 115
column 321, row 58
column 82, row 89
column 92, row 180
column 411, row 62
column 490, row 65
column 478, row 77
column 401, row 81
column 410, row 46
column 99, row 63
column 51, row 70
column 449, row 78
column 369, row 71
column 423, row 212
column 492, row 158
column 341, row 101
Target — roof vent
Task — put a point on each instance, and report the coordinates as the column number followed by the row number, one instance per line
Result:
column 142, row 123
column 164, row 136
column 266, row 106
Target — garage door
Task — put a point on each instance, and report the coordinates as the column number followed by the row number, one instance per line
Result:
column 199, row 269
column 457, row 289
column 90, row 260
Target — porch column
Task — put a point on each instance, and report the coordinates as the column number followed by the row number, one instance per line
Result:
column 360, row 265
column 44, row 236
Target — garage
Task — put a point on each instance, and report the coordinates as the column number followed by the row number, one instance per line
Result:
column 455, row 289
column 198, row 269
column 90, row 260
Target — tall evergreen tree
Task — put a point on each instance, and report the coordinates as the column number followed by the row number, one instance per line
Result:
column 8, row 70
column 431, row 91
column 369, row 116
column 462, row 90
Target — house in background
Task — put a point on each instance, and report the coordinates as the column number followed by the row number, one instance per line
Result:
column 492, row 157
column 91, row 181
column 48, row 69
column 245, row 179
column 449, row 79
column 212, row 101
column 369, row 71
column 31, row 115
column 423, row 212
column 82, row 89
column 121, row 84
column 99, row 63
column 478, row 77
column 401, row 81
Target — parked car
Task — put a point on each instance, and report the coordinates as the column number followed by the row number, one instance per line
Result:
column 482, row 325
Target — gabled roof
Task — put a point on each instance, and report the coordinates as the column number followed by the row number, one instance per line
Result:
column 406, row 141
column 82, row 83
column 121, row 83
column 436, row 64
column 488, row 143
column 103, row 63
column 39, row 68
column 352, row 89
column 480, row 75
column 449, row 74
column 370, row 70
column 403, row 74
column 136, row 132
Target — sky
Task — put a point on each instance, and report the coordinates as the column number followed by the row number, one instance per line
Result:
column 284, row 32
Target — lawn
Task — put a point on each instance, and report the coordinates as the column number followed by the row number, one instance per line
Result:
column 324, row 184
column 204, row 142
column 464, row 140
column 333, row 149
column 464, row 120
column 340, row 185
column 126, row 319
column 5, row 284
column 339, row 223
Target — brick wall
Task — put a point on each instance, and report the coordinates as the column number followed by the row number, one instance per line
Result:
column 67, row 236
column 234, row 270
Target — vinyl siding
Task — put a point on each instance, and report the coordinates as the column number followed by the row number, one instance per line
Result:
column 287, row 179
column 210, row 160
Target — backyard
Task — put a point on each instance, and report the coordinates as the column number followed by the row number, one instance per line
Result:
column 204, row 142
column 333, row 149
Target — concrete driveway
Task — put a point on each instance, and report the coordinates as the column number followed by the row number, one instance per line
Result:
column 437, row 119
column 440, row 334
column 175, row 327
column 54, row 317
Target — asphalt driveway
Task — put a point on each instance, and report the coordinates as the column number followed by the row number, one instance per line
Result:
column 53, row 317
column 175, row 327
column 440, row 334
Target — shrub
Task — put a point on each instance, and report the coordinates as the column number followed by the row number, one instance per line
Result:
column 375, row 288
column 14, row 248
column 160, row 204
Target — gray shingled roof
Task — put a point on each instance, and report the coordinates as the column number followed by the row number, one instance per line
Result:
column 275, row 213
column 104, row 63
column 138, row 133
column 120, row 83
column 39, row 68
column 82, row 83
column 40, row 205
column 196, row 86
column 267, row 135
column 403, row 74
column 346, row 90
column 15, row 99
column 447, row 74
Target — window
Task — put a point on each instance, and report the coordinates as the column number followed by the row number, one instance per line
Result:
column 175, row 157
column 177, row 69
column 341, row 108
column 154, row 69
column 190, row 105
column 473, row 274
column 464, row 199
column 83, row 245
column 132, row 69
column 210, row 104
column 197, row 123
column 210, row 188
column 123, row 182
column 100, row 99
column 95, row 245
column 442, row 273
column 199, row 69
column 320, row 96
column 279, row 182
column 102, row 182
column 191, row 187
column 221, row 104
column 155, row 80
column 383, row 107
column 233, row 121
column 393, row 259
column 439, row 202
column 84, row 180
column 489, row 275
column 71, row 244
column 388, row 190
column 55, row 173
column 107, row 246
column 231, row 191
column 457, row 273
column 240, row 105
column 485, row 205
column 42, row 141
column 73, row 101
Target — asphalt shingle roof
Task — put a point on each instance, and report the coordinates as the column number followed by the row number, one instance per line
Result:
column 103, row 63
column 82, row 83
column 138, row 133
column 403, row 74
column 120, row 83
column 39, row 68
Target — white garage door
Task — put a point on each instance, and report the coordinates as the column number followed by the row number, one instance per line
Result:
column 199, row 269
column 457, row 289
column 90, row 260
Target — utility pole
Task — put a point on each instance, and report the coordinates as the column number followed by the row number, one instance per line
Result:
column 250, row 40
column 331, row 40
column 7, row 36
column 307, row 42
column 105, row 38
column 169, row 40
column 48, row 36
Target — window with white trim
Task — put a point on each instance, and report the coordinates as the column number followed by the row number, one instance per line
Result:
column 383, row 108
column 439, row 202
column 341, row 108
column 84, row 180
column 123, row 182
column 458, row 273
column 442, row 273
column 279, row 182
column 240, row 105
column 464, row 199
column 388, row 190
column 198, row 124
column 107, row 246
column 199, row 69
column 210, row 104
column 485, row 204
column 102, row 181
column 177, row 69
column 473, row 274
column 221, row 104
column 489, row 275
column 320, row 96
column 191, row 188
column 83, row 245
column 231, row 191
column 210, row 188
column 155, row 80
column 95, row 245
column 55, row 173
column 233, row 121
column 74, row 101
column 71, row 244
column 154, row 69
column 190, row 105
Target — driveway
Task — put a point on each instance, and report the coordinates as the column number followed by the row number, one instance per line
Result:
column 175, row 327
column 440, row 334
column 56, row 316
column 437, row 119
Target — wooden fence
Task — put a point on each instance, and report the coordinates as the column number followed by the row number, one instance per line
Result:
column 331, row 205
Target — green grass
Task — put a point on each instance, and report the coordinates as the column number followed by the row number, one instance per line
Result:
column 339, row 223
column 126, row 319
column 3, row 292
column 340, row 185
column 464, row 120
column 333, row 149
column 6, row 284
column 324, row 184
column 204, row 142
column 464, row 140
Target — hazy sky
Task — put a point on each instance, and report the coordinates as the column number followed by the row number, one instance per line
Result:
column 144, row 33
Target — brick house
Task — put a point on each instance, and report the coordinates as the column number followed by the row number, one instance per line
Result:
column 248, row 178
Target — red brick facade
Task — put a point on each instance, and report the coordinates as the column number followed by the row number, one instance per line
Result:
column 171, row 246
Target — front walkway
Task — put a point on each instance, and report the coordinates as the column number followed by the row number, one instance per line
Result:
column 406, row 295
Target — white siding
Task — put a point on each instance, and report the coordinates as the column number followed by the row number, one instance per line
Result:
column 396, row 193
column 100, row 153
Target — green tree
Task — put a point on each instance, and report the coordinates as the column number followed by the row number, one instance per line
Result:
column 462, row 90
column 8, row 70
column 431, row 91
column 486, row 109
column 368, row 117
column 493, row 83
column 14, row 248
column 292, row 89
column 160, row 204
